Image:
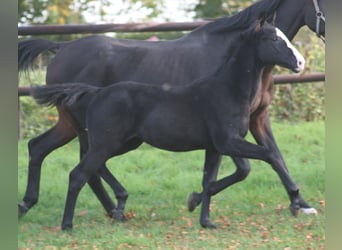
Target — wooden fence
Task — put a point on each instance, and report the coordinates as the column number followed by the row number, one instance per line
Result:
column 278, row 79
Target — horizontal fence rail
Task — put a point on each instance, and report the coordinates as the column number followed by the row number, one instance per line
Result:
column 141, row 27
column 278, row 79
column 103, row 28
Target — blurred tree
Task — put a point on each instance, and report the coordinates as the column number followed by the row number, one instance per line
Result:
column 154, row 7
column 72, row 11
column 219, row 8
column 31, row 11
column 58, row 11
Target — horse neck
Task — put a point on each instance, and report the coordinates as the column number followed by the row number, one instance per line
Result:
column 222, row 41
column 290, row 17
column 241, row 72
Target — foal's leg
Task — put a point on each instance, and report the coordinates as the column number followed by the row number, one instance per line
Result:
column 95, row 181
column 214, row 187
column 90, row 164
column 211, row 165
column 96, row 185
column 238, row 147
column 120, row 194
column 39, row 148
column 242, row 171
column 260, row 128
column 87, row 168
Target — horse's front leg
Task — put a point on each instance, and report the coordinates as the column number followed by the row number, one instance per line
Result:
column 213, row 187
column 210, row 170
column 211, row 165
column 260, row 128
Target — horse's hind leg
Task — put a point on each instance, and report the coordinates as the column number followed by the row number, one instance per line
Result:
column 260, row 128
column 79, row 176
column 97, row 187
column 39, row 148
column 120, row 194
column 90, row 164
column 94, row 181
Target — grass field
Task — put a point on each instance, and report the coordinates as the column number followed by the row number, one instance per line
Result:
column 253, row 214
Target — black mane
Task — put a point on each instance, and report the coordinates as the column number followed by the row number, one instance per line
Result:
column 244, row 18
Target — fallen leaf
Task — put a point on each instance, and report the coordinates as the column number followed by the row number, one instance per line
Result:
column 82, row 213
column 130, row 215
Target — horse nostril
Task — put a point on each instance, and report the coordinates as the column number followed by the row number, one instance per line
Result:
column 301, row 64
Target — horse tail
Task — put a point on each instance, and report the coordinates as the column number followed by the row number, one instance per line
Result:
column 64, row 95
column 29, row 50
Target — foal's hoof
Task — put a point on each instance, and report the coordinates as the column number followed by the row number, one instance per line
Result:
column 208, row 224
column 193, row 201
column 309, row 210
column 118, row 215
column 306, row 208
column 67, row 227
column 22, row 209
column 294, row 208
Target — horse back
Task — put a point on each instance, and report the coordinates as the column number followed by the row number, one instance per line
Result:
column 101, row 61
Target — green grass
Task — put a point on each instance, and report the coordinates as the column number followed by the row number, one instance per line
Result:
column 250, row 215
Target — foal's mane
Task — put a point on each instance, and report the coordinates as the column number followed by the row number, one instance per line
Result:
column 244, row 18
column 246, row 36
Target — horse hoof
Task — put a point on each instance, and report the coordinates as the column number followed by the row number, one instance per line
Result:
column 306, row 208
column 118, row 215
column 193, row 201
column 67, row 227
column 208, row 224
column 22, row 209
column 294, row 210
column 309, row 210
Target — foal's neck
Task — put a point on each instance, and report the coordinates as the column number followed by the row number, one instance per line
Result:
column 242, row 70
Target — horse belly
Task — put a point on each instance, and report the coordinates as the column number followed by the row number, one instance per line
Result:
column 172, row 134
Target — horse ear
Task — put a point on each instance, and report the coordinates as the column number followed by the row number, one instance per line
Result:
column 261, row 19
column 257, row 26
column 260, row 22
column 274, row 18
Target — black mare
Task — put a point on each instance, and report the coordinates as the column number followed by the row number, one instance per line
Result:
column 211, row 113
column 100, row 60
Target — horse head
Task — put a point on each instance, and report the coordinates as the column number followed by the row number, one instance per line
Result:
column 275, row 48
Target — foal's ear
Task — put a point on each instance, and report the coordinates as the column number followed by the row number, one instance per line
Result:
column 260, row 22
column 257, row 26
column 274, row 18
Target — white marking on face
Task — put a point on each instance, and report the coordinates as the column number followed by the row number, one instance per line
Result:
column 300, row 58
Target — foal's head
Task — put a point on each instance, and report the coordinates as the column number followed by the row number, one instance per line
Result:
column 273, row 47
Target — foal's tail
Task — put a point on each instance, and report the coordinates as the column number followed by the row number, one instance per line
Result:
column 29, row 50
column 64, row 95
